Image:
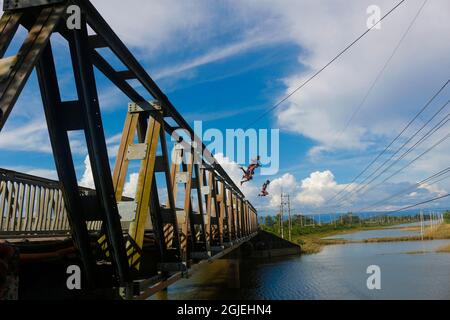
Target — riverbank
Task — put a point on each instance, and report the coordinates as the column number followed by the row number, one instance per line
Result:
column 436, row 232
column 315, row 241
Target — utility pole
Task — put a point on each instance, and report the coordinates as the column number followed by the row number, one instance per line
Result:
column 421, row 224
column 289, row 213
column 281, row 214
column 432, row 220
column 285, row 205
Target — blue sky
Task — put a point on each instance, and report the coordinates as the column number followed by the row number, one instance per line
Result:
column 227, row 62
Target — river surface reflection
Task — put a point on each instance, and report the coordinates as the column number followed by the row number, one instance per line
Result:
column 409, row 270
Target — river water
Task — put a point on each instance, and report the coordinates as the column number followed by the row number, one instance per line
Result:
column 409, row 270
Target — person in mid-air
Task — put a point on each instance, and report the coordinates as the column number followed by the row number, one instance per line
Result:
column 248, row 174
column 264, row 192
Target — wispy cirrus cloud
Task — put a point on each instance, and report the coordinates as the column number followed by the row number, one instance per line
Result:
column 244, row 45
column 218, row 115
column 31, row 136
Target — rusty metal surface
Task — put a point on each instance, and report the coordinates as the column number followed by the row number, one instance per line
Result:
column 9, row 272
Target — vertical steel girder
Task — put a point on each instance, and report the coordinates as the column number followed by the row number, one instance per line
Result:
column 96, row 144
column 63, row 157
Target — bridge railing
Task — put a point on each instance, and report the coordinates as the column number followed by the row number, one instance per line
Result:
column 33, row 205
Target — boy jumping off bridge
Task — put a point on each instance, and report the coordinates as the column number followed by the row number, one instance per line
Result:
column 248, row 174
column 264, row 192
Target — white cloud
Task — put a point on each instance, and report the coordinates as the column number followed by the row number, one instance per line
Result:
column 207, row 115
column 154, row 24
column 39, row 172
column 112, row 99
column 217, row 54
column 129, row 189
column 433, row 188
column 308, row 193
column 312, row 194
column 113, row 144
column 44, row 173
column 115, row 139
column 31, row 136
column 317, row 188
column 87, row 180
column 286, row 184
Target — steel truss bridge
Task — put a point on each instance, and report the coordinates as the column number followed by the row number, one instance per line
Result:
column 146, row 243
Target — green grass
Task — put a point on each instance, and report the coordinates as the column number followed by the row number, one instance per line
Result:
column 447, row 217
column 310, row 238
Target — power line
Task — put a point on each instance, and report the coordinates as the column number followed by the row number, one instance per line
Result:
column 426, row 136
column 415, row 186
column 418, row 204
column 391, row 143
column 383, row 69
column 407, row 165
column 324, row 67
column 417, row 158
